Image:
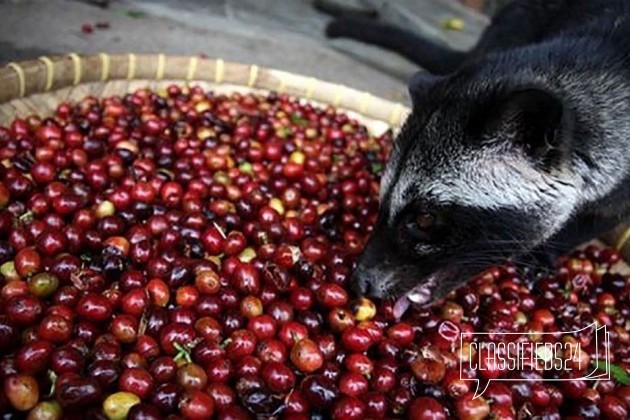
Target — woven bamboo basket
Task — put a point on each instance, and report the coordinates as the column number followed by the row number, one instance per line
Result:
column 38, row 86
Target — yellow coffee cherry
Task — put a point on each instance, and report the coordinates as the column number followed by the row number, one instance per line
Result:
column 364, row 309
column 117, row 406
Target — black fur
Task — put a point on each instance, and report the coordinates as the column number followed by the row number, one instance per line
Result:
column 439, row 59
column 521, row 143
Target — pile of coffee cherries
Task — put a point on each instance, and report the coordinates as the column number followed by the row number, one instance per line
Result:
column 183, row 254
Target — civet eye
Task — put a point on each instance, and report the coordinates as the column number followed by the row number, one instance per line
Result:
column 420, row 226
column 425, row 221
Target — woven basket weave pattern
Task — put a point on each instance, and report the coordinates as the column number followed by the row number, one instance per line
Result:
column 35, row 86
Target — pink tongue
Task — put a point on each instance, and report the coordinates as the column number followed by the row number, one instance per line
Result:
column 401, row 306
column 419, row 295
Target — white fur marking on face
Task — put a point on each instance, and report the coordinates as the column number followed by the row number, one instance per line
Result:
column 502, row 181
column 386, row 180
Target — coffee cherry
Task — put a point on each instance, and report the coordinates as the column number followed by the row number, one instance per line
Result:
column 27, row 262
column 353, row 384
column 78, row 392
column 144, row 412
column 356, row 339
column 348, row 408
column 43, row 284
column 118, row 405
column 278, row 376
column 364, row 309
column 612, row 407
column 306, row 356
column 22, row 391
column 319, row 391
column 137, row 381
column 187, row 253
column 401, row 333
column 428, row 370
column 425, row 408
column 472, row 409
column 192, row 377
column 46, row 410
column 196, row 405
column 94, row 308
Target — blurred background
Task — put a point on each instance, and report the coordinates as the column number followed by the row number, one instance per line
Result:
column 284, row 34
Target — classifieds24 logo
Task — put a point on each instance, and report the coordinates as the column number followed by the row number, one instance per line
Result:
column 498, row 353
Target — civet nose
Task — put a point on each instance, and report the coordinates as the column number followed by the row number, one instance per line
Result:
column 359, row 285
column 364, row 283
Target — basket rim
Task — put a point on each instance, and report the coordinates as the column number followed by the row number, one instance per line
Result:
column 48, row 74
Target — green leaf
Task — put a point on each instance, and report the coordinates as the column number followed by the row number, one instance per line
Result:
column 136, row 14
column 284, row 132
column 377, row 168
column 298, row 120
column 619, row 374
column 123, row 11
column 453, row 24
column 246, row 168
